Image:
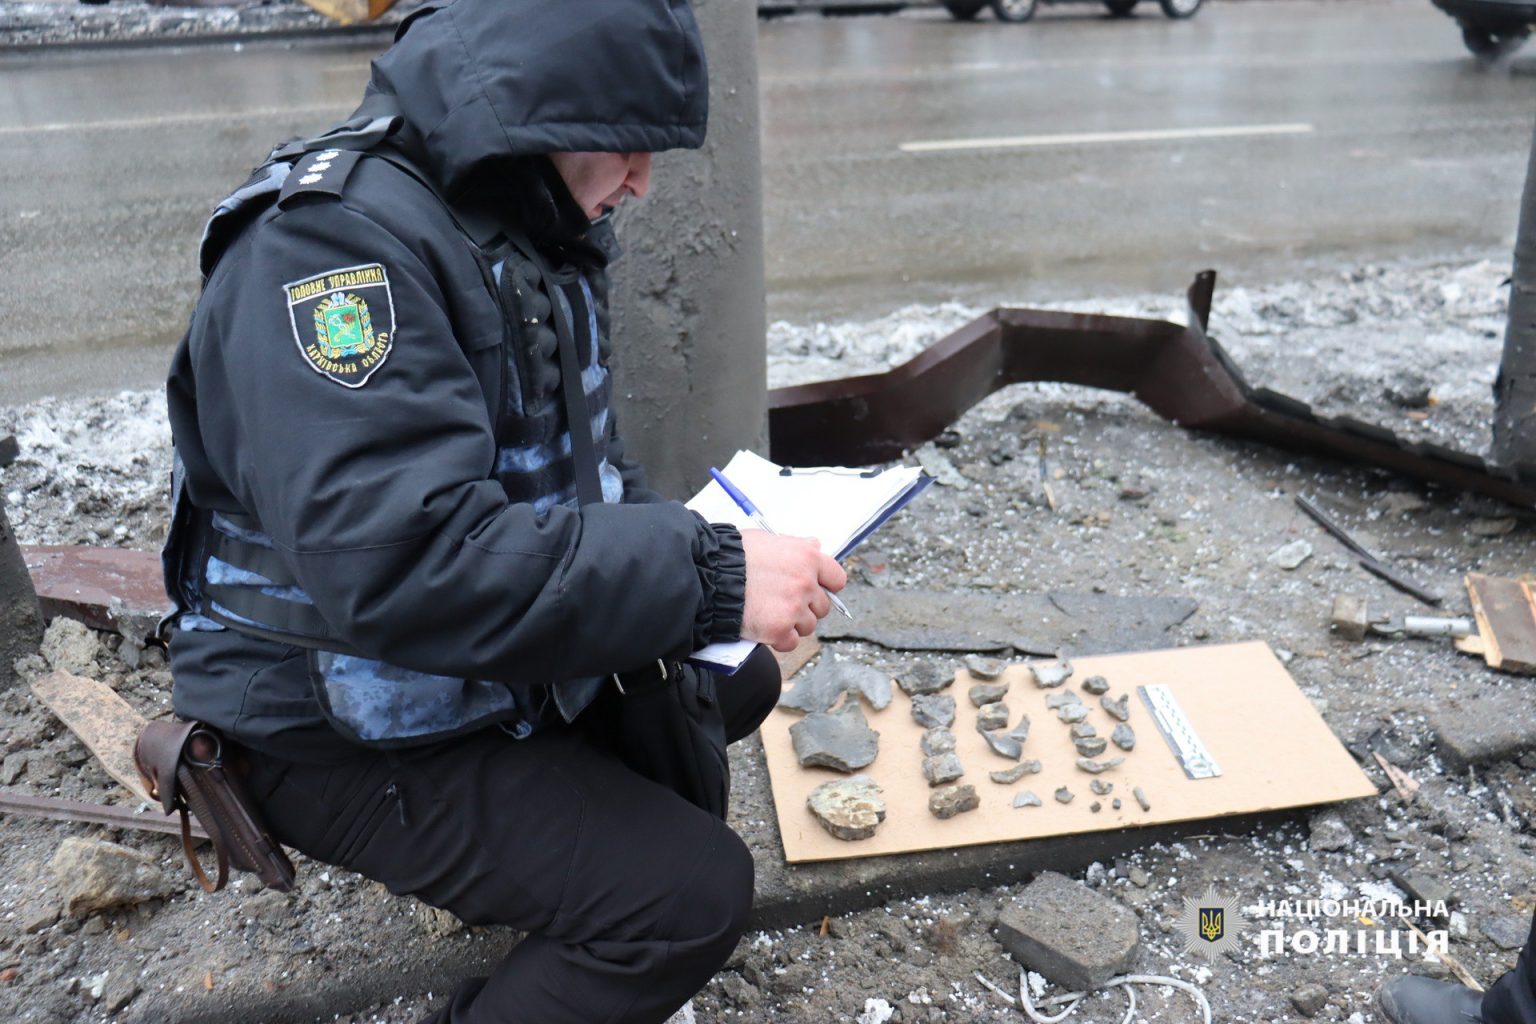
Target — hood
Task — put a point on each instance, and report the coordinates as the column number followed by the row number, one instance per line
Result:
column 483, row 82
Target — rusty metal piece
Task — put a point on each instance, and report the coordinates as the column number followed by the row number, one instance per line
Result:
column 55, row 809
column 1179, row 372
column 114, row 589
column 1368, row 561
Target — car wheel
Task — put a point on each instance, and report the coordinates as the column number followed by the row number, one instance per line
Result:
column 964, row 10
column 1120, row 8
column 1487, row 44
column 1014, row 10
column 1180, row 8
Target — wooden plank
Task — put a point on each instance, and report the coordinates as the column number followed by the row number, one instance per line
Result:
column 54, row 809
column 1471, row 645
column 101, row 719
column 1505, row 620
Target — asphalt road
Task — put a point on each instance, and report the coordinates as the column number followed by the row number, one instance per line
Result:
column 906, row 159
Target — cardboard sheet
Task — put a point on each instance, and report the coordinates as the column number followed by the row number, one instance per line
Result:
column 1272, row 747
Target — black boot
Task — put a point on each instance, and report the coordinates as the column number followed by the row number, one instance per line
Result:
column 1415, row 1000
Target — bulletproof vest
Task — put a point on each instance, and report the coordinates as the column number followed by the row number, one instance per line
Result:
column 222, row 568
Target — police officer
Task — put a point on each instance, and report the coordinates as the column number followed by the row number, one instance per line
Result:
column 417, row 580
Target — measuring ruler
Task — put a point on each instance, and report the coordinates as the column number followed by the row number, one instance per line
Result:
column 1175, row 726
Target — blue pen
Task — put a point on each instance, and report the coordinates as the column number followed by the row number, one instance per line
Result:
column 745, row 504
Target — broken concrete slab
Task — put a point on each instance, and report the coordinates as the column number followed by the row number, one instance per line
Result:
column 112, row 589
column 840, row 739
column 1484, row 728
column 850, row 809
column 1068, row 933
column 1041, row 624
column 933, row 710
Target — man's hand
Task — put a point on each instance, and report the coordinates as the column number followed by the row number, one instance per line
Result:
column 785, row 577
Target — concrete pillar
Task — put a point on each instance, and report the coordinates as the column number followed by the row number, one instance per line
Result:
column 689, row 319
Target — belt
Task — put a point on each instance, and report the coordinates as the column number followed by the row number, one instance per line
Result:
column 644, row 680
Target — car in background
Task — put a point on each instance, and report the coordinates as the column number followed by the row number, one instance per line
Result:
column 1023, row 10
column 1491, row 28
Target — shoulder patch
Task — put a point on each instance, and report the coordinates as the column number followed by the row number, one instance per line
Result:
column 320, row 173
column 343, row 321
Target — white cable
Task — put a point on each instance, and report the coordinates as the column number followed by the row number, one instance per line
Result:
column 1130, row 1011
column 996, row 990
column 1124, row 981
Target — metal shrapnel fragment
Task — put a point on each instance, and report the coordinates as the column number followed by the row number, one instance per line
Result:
column 942, row 768
column 984, row 668
column 992, row 716
column 1124, row 737
column 840, row 739
column 1115, row 803
column 983, row 694
column 1093, row 767
column 952, row 800
column 924, row 677
column 1056, row 701
column 1064, row 795
column 850, row 808
column 1096, row 685
column 1052, row 674
column 1072, row 712
column 937, row 740
column 1020, row 732
column 1026, row 798
column 1095, row 807
column 1100, row 787
column 1141, row 798
column 1008, row 776
column 1002, row 743
column 1083, row 730
column 1091, row 746
column 820, row 688
column 933, row 710
column 1120, row 710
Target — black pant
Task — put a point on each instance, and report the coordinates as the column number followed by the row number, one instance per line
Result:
column 1512, row 999
column 631, row 896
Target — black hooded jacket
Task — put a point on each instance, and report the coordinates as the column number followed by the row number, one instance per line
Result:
column 331, row 395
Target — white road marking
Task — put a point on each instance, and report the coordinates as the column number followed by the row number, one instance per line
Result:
column 205, row 117
column 1096, row 138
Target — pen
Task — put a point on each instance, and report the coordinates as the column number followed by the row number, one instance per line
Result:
column 745, row 504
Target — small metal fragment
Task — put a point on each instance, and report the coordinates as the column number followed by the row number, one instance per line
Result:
column 1026, row 798
column 1100, row 787
column 840, row 739
column 1117, row 709
column 1115, row 803
column 1008, row 776
column 942, row 768
column 1064, row 795
column 1096, row 685
column 1095, row 807
column 984, row 668
column 1083, row 730
column 992, row 716
column 933, row 710
column 987, row 693
column 924, row 677
column 1124, row 737
column 1053, row 674
column 952, row 800
column 1141, row 798
column 1020, row 732
column 1072, row 712
column 1091, row 746
column 1002, row 743
column 1060, row 700
column 937, row 740
column 1093, row 767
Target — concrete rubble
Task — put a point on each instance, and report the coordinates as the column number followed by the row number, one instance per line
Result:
column 1068, row 933
column 850, row 809
column 952, row 800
